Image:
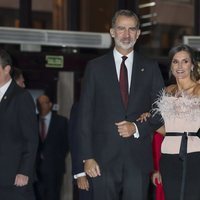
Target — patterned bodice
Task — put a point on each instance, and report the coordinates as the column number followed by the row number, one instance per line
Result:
column 179, row 113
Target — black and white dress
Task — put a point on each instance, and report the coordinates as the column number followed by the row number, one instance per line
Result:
column 180, row 172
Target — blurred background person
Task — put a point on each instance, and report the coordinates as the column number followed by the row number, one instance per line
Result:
column 53, row 147
column 17, row 75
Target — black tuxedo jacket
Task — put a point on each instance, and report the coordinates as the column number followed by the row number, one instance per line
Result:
column 54, row 147
column 18, row 135
column 101, row 106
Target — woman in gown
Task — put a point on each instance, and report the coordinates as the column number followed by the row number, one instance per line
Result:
column 179, row 105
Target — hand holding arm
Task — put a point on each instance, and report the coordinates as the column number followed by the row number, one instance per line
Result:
column 143, row 117
column 91, row 168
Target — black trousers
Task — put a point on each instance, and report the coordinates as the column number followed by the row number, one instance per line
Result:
column 48, row 186
column 171, row 167
column 17, row 193
column 123, row 180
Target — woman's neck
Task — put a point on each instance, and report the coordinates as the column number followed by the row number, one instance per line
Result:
column 184, row 85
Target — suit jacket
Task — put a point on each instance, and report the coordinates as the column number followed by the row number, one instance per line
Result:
column 77, row 163
column 18, row 132
column 101, row 106
column 54, row 147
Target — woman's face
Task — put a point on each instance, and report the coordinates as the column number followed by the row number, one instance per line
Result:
column 181, row 65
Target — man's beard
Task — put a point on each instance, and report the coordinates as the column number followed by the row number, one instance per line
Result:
column 123, row 45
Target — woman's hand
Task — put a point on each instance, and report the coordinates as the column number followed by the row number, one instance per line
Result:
column 156, row 178
column 143, row 117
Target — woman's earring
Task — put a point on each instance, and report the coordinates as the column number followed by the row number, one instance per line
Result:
column 192, row 68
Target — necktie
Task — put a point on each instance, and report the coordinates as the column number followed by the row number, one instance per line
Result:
column 123, row 81
column 42, row 129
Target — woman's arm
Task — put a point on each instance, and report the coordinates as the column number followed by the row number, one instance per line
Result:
column 161, row 130
column 145, row 116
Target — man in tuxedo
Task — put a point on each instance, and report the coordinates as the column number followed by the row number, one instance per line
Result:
column 52, row 151
column 117, row 88
column 19, row 136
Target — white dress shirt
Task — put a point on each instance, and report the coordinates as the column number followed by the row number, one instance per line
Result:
column 4, row 88
column 129, row 66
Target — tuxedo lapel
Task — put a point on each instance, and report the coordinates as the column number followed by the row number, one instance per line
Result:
column 135, row 79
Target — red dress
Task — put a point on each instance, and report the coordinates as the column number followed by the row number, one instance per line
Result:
column 156, row 144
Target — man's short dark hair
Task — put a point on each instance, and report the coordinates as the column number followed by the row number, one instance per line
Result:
column 5, row 58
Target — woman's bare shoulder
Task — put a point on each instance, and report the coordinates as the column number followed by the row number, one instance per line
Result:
column 197, row 90
column 171, row 88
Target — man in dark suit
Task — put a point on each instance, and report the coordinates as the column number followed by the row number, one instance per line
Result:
column 53, row 147
column 117, row 88
column 82, row 188
column 19, row 136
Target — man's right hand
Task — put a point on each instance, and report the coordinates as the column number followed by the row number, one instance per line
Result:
column 91, row 168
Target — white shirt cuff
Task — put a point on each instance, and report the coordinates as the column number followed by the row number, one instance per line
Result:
column 79, row 175
column 136, row 134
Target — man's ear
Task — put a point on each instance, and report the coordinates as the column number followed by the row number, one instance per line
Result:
column 138, row 33
column 112, row 32
column 7, row 69
column 51, row 105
